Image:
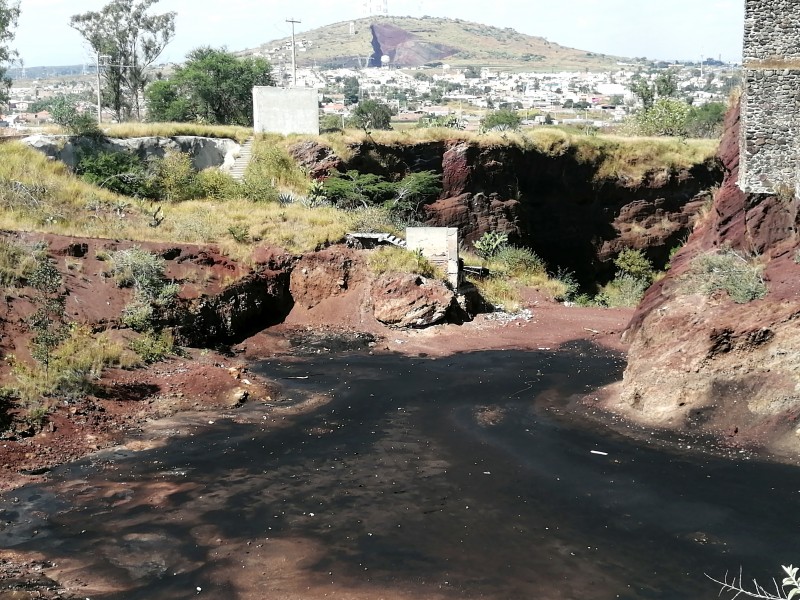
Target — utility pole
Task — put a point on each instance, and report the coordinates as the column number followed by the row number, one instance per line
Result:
column 294, row 53
column 99, row 99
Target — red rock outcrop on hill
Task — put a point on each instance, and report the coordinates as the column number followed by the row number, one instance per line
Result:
column 553, row 204
column 708, row 364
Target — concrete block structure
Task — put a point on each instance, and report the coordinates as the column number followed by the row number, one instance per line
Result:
column 769, row 144
column 286, row 110
column 439, row 245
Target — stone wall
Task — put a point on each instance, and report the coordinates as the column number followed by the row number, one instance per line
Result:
column 769, row 146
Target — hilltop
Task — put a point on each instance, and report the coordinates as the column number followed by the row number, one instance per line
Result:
column 411, row 42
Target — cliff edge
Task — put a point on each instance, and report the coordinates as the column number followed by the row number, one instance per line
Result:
column 707, row 364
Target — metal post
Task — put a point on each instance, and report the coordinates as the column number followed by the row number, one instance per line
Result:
column 294, row 52
column 99, row 100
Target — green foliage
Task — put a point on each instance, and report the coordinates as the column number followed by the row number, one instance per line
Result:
column 643, row 90
column 120, row 172
column 175, row 177
column 570, row 285
column 706, row 121
column 213, row 183
column 9, row 13
column 514, row 261
column 153, row 347
column 666, row 117
column 353, row 189
column 503, row 119
column 213, row 86
column 350, row 89
column 47, row 321
column 132, row 40
column 414, row 190
column 240, row 233
column 370, row 115
column 624, row 291
column 730, row 271
column 633, row 263
column 65, row 114
column 144, row 272
column 330, row 123
column 490, row 244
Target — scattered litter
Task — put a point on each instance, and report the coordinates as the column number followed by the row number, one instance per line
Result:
column 599, row 453
column 543, row 348
column 594, row 331
column 303, row 377
column 399, row 342
column 507, row 317
column 211, row 422
column 487, row 472
column 246, row 382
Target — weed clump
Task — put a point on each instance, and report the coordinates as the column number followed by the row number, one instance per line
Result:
column 729, row 271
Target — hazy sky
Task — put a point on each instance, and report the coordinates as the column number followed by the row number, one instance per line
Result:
column 664, row 29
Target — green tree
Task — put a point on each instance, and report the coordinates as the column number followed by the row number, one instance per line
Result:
column 370, row 115
column 501, row 119
column 666, row 85
column 351, row 89
column 47, row 321
column 9, row 13
column 64, row 113
column 132, row 40
column 213, row 86
column 666, row 117
column 706, row 120
column 643, row 90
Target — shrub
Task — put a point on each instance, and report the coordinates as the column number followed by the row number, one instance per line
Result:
column 120, row 172
column 354, row 189
column 213, row 183
column 634, row 264
column 153, row 347
column 176, row 179
column 490, row 244
column 16, row 263
column 515, row 261
column 144, row 272
column 730, row 271
column 624, row 291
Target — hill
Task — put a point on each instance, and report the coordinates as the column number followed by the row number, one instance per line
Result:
column 412, row 42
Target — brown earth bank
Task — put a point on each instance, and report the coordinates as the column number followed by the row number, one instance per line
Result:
column 558, row 205
column 707, row 364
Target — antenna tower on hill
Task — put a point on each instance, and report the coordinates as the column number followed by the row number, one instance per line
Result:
column 376, row 7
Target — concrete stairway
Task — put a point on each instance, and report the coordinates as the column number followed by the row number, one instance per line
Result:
column 240, row 165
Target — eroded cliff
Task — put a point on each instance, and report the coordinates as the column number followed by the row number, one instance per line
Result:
column 706, row 363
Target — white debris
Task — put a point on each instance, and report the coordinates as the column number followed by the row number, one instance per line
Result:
column 600, row 453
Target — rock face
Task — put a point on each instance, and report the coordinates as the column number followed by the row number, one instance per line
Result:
column 205, row 152
column 403, row 300
column 403, row 48
column 322, row 275
column 553, row 204
column 707, row 364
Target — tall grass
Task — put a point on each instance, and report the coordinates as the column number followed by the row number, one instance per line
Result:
column 136, row 129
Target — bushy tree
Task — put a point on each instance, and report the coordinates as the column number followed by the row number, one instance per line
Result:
column 706, row 121
column 667, row 116
column 351, row 89
column 370, row 115
column 132, row 40
column 9, row 12
column 64, row 113
column 501, row 119
column 213, row 86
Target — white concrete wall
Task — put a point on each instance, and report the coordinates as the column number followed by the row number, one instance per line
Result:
column 286, row 110
column 439, row 245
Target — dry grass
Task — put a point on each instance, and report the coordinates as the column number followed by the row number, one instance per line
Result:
column 397, row 260
column 627, row 159
column 137, row 129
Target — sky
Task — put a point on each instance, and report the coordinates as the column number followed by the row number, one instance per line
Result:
column 657, row 29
